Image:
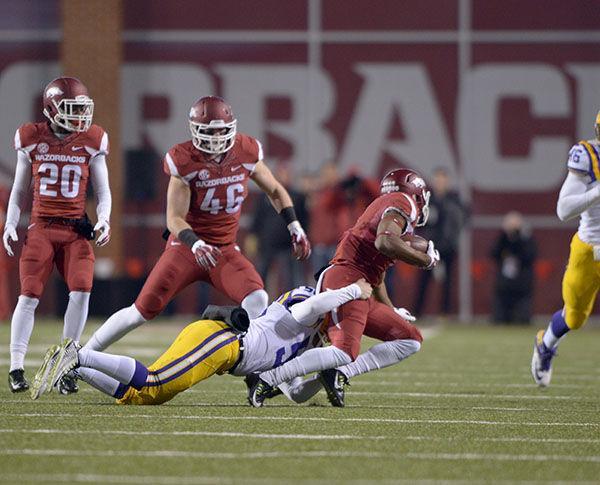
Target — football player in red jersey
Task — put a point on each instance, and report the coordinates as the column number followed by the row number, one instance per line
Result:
column 60, row 155
column 365, row 251
column 208, row 184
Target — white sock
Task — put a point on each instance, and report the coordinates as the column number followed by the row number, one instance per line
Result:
column 312, row 360
column 100, row 381
column 255, row 303
column 301, row 390
column 380, row 356
column 117, row 326
column 118, row 367
column 76, row 314
column 21, row 327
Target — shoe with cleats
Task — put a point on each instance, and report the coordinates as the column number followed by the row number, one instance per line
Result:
column 334, row 382
column 43, row 377
column 258, row 392
column 541, row 362
column 17, row 381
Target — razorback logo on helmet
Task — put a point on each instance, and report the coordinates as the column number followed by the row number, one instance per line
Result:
column 54, row 91
column 419, row 182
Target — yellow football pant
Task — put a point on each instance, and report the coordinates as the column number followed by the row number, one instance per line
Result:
column 203, row 348
column 581, row 283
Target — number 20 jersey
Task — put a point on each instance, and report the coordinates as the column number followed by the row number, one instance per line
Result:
column 60, row 167
column 218, row 190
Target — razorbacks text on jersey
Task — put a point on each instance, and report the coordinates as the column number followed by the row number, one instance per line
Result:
column 357, row 247
column 584, row 158
column 218, row 190
column 60, row 167
column 276, row 337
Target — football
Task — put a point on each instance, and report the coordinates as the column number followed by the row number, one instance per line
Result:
column 418, row 243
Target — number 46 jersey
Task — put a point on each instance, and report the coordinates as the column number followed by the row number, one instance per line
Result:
column 218, row 189
column 60, row 167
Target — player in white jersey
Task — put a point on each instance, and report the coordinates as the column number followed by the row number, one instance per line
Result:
column 289, row 326
column 579, row 196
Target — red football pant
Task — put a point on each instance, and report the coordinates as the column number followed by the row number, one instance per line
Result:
column 47, row 245
column 177, row 268
column 371, row 317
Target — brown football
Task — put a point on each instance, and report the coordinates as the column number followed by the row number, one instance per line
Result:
column 418, row 243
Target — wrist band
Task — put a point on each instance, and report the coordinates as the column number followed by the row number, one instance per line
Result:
column 288, row 214
column 187, row 237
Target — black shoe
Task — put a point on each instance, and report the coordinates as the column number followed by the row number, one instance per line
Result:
column 251, row 380
column 334, row 382
column 67, row 384
column 17, row 381
column 258, row 392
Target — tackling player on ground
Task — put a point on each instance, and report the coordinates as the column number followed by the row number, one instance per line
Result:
column 60, row 155
column 579, row 196
column 366, row 251
column 208, row 184
column 288, row 327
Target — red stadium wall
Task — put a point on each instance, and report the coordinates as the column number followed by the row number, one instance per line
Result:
column 496, row 97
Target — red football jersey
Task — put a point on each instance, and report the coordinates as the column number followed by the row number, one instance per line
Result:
column 60, row 168
column 357, row 247
column 218, row 189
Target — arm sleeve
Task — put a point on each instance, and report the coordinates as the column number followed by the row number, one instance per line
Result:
column 310, row 310
column 99, row 172
column 575, row 197
column 19, row 188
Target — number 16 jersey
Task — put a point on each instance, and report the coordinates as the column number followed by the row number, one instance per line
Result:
column 60, row 167
column 218, row 189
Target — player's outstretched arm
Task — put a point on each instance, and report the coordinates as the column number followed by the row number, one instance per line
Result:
column 282, row 202
column 310, row 310
column 389, row 242
column 178, row 204
column 575, row 197
column 17, row 195
column 99, row 176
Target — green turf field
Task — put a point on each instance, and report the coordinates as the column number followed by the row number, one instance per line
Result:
column 463, row 410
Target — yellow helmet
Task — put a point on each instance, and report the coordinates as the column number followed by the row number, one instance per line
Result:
column 598, row 126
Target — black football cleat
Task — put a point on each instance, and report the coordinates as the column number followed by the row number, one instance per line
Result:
column 251, row 379
column 67, row 384
column 258, row 392
column 334, row 382
column 17, row 381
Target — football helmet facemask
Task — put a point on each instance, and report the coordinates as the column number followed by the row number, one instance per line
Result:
column 212, row 125
column 412, row 184
column 68, row 105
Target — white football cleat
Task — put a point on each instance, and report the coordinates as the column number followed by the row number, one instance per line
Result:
column 41, row 381
column 541, row 362
column 68, row 362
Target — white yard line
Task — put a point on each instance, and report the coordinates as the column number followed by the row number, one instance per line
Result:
column 205, row 480
column 195, row 433
column 514, row 439
column 502, row 457
column 191, row 454
column 301, row 454
column 313, row 418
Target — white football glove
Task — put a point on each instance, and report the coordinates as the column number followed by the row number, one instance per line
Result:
column 434, row 254
column 104, row 228
column 404, row 313
column 206, row 255
column 300, row 242
column 10, row 233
